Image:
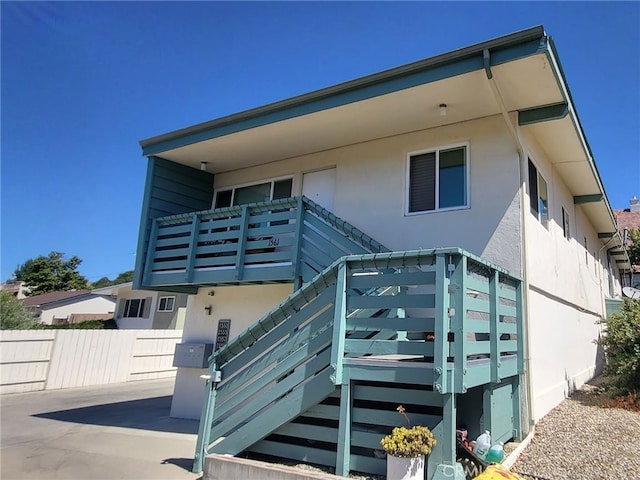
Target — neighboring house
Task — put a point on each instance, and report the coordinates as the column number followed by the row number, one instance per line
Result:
column 143, row 309
column 628, row 219
column 16, row 287
column 72, row 306
column 320, row 240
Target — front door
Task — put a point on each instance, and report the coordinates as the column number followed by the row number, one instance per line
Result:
column 319, row 187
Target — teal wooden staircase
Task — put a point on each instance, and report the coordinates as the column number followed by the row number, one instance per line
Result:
column 439, row 331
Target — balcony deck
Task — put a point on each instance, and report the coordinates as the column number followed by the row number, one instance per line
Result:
column 288, row 240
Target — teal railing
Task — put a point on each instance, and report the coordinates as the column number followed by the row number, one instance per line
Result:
column 367, row 317
column 285, row 240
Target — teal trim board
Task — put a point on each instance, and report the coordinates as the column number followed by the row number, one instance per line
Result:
column 581, row 199
column 543, row 114
column 606, row 234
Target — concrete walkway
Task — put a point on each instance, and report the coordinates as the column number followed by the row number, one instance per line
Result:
column 108, row 432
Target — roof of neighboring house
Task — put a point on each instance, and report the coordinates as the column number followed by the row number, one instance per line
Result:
column 44, row 300
column 11, row 285
column 113, row 289
column 627, row 219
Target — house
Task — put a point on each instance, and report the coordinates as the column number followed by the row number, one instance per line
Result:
column 16, row 287
column 144, row 309
column 629, row 219
column 71, row 306
column 435, row 235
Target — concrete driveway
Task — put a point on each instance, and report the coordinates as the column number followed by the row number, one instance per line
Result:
column 109, row 432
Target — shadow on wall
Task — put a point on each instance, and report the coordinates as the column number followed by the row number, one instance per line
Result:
column 145, row 414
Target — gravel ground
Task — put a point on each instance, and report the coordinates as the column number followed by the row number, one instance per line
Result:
column 581, row 440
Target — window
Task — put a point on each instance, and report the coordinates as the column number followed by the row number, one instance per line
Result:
column 538, row 195
column 134, row 308
column 165, row 304
column 565, row 224
column 438, row 180
column 260, row 192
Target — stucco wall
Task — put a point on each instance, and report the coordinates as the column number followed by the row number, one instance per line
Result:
column 566, row 297
column 95, row 304
column 244, row 305
column 370, row 190
column 137, row 322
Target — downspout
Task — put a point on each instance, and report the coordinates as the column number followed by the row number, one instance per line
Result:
column 523, row 250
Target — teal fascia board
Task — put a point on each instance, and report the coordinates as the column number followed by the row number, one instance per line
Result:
column 552, row 55
column 543, row 114
column 505, row 49
column 595, row 198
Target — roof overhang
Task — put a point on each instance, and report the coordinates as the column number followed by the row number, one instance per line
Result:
column 384, row 104
column 406, row 99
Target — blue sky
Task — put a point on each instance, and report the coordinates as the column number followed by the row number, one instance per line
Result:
column 82, row 83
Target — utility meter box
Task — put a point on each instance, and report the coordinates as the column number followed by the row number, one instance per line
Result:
column 192, row 355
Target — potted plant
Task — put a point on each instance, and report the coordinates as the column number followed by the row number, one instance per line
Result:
column 406, row 448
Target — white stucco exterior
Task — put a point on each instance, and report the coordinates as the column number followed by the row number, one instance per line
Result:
column 507, row 103
column 151, row 317
column 567, row 282
column 94, row 305
column 243, row 305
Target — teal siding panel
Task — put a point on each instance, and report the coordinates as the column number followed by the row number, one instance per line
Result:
column 180, row 185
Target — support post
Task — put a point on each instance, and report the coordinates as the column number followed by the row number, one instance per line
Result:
column 458, row 296
column 206, row 417
column 343, row 458
column 494, row 319
column 297, row 244
column 448, row 469
column 339, row 324
column 193, row 246
column 151, row 250
column 441, row 327
column 242, row 242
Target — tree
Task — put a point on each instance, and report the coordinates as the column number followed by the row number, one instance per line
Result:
column 633, row 248
column 51, row 274
column 621, row 344
column 123, row 277
column 14, row 315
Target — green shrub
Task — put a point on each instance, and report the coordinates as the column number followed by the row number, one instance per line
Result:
column 88, row 325
column 621, row 343
column 14, row 315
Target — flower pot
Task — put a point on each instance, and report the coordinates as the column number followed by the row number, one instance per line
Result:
column 405, row 468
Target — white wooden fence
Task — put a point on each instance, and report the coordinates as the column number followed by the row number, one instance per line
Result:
column 48, row 359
